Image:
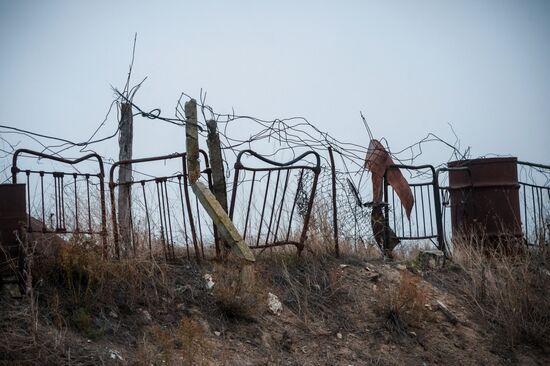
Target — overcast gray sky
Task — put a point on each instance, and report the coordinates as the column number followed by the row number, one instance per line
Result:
column 411, row 66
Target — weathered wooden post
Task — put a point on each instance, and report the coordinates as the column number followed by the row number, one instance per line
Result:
column 219, row 187
column 214, row 209
column 125, row 141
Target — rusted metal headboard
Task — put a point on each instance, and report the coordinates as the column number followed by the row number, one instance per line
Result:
column 271, row 215
column 59, row 196
column 166, row 215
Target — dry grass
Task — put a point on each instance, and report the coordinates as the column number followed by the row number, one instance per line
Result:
column 184, row 344
column 71, row 288
column 82, row 277
column 310, row 285
column 27, row 340
column 237, row 293
column 403, row 304
column 509, row 291
column 74, row 286
column 321, row 237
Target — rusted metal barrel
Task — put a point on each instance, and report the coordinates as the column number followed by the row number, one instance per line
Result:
column 12, row 216
column 485, row 199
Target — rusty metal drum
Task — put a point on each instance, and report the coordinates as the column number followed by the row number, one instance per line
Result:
column 485, row 199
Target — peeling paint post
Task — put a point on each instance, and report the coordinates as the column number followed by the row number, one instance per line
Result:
column 219, row 187
column 223, row 223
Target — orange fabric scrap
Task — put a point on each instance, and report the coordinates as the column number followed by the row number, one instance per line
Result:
column 377, row 161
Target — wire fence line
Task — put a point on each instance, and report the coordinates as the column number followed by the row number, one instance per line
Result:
column 342, row 185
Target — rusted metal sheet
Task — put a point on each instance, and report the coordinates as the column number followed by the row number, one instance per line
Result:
column 12, row 217
column 485, row 198
column 378, row 161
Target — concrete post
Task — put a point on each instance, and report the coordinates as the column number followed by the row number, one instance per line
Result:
column 214, row 209
column 219, row 187
column 192, row 140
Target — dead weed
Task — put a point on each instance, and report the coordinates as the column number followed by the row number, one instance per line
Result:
column 403, row 304
column 509, row 291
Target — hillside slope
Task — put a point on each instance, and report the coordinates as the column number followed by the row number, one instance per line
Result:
column 348, row 311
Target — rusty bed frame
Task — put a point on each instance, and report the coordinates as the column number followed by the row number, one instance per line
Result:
column 161, row 182
column 59, row 195
column 276, row 168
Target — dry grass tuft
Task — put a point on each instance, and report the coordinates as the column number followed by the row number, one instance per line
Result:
column 509, row 291
column 311, row 286
column 403, row 305
column 183, row 344
column 236, row 292
column 73, row 287
column 28, row 339
column 83, row 278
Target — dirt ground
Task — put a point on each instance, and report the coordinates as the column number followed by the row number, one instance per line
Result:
column 334, row 312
